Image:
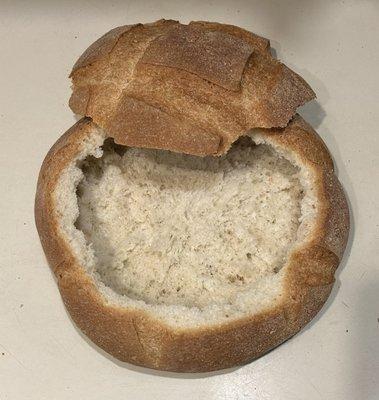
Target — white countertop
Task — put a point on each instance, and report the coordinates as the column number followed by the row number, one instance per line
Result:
column 334, row 45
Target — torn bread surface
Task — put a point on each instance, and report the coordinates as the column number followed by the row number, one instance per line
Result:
column 191, row 240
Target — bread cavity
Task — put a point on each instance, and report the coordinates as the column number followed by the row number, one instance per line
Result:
column 195, row 240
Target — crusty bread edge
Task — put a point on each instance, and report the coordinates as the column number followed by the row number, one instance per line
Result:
column 137, row 337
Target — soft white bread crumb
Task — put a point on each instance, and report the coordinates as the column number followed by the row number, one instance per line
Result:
column 194, row 240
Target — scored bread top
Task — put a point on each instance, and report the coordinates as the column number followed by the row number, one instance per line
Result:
column 187, row 88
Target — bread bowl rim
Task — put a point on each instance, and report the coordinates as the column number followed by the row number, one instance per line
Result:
column 139, row 338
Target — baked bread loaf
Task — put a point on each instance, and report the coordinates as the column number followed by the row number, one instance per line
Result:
column 179, row 262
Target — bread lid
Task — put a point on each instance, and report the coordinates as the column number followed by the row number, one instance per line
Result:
column 186, row 88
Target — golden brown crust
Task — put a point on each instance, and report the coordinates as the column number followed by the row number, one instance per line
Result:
column 137, row 337
column 101, row 47
column 145, row 123
column 105, row 45
column 304, row 141
column 219, row 76
column 336, row 215
column 211, row 55
column 258, row 42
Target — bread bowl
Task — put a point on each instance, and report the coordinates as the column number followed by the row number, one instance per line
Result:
column 209, row 241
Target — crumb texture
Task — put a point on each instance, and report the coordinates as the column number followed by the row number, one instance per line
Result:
column 173, row 229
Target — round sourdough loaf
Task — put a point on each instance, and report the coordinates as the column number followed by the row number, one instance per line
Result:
column 165, row 255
